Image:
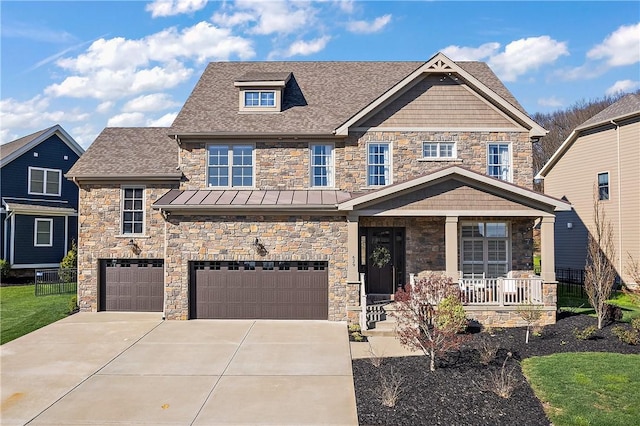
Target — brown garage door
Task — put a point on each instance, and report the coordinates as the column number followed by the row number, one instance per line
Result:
column 131, row 285
column 259, row 290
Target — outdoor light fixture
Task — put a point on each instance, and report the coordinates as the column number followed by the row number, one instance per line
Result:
column 260, row 248
column 135, row 249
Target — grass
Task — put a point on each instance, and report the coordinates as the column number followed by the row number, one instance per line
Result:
column 21, row 312
column 577, row 305
column 587, row 388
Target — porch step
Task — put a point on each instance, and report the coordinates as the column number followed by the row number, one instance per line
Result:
column 379, row 320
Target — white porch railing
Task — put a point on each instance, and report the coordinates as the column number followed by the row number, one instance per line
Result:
column 501, row 291
column 363, row 305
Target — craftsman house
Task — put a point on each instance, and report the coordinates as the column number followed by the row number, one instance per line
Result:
column 601, row 155
column 39, row 207
column 310, row 189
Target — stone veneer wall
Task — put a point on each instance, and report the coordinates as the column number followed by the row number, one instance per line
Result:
column 100, row 236
column 285, row 164
column 195, row 238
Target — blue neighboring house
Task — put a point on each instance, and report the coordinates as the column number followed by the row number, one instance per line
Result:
column 39, row 211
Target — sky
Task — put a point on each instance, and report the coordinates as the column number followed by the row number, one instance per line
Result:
column 87, row 65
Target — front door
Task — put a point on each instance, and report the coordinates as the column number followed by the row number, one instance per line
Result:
column 384, row 261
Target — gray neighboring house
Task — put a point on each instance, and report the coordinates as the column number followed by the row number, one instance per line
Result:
column 603, row 154
column 308, row 190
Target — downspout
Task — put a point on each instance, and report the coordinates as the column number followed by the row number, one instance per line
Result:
column 6, row 232
column 619, row 197
column 164, row 263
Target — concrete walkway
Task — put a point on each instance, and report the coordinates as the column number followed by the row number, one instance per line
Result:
column 117, row 368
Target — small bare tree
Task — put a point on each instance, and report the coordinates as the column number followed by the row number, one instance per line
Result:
column 600, row 274
column 430, row 317
column 531, row 314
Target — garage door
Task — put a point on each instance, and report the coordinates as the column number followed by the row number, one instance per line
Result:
column 259, row 290
column 132, row 285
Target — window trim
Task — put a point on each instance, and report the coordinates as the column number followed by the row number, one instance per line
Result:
column 390, row 144
column 230, row 165
column 510, row 166
column 260, row 92
column 438, row 157
column 144, row 210
column 485, row 240
column 332, row 169
column 600, row 198
column 44, row 182
column 35, row 232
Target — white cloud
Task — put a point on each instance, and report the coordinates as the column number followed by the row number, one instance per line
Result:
column 164, row 121
column 458, row 53
column 365, row 27
column 622, row 86
column 524, row 55
column 146, row 103
column 620, row 48
column 105, row 107
column 127, row 119
column 303, row 48
column 270, row 17
column 552, row 102
column 347, row 6
column 84, row 134
column 225, row 20
column 174, row 7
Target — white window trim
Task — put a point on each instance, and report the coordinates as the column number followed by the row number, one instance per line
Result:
column 44, row 183
column 35, row 232
column 230, row 165
column 332, row 167
column 259, row 92
column 608, row 184
column 510, row 145
column 485, row 251
column 454, row 153
column 144, row 210
column 390, row 164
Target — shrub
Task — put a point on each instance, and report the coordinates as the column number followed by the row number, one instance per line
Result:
column 69, row 262
column 635, row 324
column 487, row 349
column 73, row 305
column 5, row 267
column 390, row 388
column 531, row 314
column 612, row 313
column 627, row 336
column 586, row 333
column 430, row 317
column 505, row 381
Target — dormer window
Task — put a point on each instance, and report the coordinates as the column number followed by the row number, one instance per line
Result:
column 261, row 91
column 260, row 98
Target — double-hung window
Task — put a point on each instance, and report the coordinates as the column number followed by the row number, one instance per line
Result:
column 230, row 166
column 259, row 98
column 603, row 186
column 485, row 249
column 439, row 150
column 133, row 210
column 322, row 165
column 378, row 164
column 43, row 233
column 44, row 181
column 499, row 161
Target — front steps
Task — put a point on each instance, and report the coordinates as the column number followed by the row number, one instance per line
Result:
column 380, row 320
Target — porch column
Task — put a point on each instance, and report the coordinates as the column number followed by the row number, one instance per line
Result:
column 451, row 247
column 547, row 249
column 352, row 249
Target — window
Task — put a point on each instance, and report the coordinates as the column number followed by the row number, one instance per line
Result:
column 484, row 249
column 603, row 186
column 499, row 161
column 436, row 150
column 132, row 210
column 44, row 181
column 379, row 164
column 260, row 98
column 43, row 233
column 230, row 165
column 321, row 165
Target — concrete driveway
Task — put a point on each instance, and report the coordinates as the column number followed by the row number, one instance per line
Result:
column 120, row 368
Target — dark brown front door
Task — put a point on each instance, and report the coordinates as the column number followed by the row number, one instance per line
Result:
column 384, row 261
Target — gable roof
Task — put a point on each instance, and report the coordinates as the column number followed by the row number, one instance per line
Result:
column 626, row 107
column 129, row 153
column 14, row 149
column 320, row 98
column 515, row 192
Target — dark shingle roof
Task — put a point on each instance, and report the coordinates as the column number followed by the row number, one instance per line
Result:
column 319, row 98
column 625, row 106
column 11, row 147
column 142, row 152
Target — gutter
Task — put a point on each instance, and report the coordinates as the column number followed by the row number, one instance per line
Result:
column 253, row 135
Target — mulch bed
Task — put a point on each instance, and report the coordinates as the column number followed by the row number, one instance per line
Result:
column 459, row 391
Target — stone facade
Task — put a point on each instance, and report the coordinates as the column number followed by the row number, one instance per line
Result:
column 286, row 238
column 100, row 235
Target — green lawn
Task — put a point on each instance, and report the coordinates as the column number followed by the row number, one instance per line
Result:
column 21, row 312
column 587, row 388
column 630, row 309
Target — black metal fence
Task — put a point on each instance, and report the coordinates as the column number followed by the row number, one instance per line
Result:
column 571, row 290
column 56, row 281
column 568, row 275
